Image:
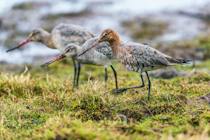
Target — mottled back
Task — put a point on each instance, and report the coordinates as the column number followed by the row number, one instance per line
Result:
column 100, row 55
column 102, row 47
column 139, row 57
column 64, row 34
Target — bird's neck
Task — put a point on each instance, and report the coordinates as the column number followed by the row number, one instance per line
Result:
column 115, row 46
column 47, row 40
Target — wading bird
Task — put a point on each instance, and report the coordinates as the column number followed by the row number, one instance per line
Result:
column 59, row 38
column 100, row 56
column 136, row 57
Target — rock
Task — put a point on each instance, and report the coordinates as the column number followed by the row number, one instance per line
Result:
column 206, row 98
column 182, row 49
column 197, row 15
column 167, row 73
column 202, row 13
column 5, row 67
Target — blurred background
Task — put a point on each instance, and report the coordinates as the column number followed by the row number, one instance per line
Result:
column 176, row 27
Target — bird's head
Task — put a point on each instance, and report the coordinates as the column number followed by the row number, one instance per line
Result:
column 70, row 51
column 108, row 35
column 37, row 35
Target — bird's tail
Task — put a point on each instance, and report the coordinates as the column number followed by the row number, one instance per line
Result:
column 178, row 60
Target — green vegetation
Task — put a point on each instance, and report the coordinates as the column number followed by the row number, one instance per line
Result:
column 145, row 29
column 40, row 104
column 29, row 5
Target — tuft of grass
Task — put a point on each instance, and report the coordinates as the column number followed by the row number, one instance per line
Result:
column 42, row 105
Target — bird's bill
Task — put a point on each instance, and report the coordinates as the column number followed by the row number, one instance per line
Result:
column 89, row 48
column 57, row 58
column 21, row 44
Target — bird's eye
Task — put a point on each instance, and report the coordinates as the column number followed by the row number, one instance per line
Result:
column 69, row 49
column 104, row 35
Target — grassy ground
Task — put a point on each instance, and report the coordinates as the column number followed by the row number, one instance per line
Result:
column 40, row 104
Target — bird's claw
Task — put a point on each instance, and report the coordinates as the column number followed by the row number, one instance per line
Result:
column 118, row 91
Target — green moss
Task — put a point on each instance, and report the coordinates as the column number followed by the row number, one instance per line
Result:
column 145, row 28
column 42, row 105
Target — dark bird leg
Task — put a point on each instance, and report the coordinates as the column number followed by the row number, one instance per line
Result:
column 78, row 74
column 142, row 83
column 75, row 73
column 149, row 85
column 115, row 77
column 125, row 89
column 105, row 76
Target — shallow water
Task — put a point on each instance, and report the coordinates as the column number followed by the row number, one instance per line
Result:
column 133, row 6
column 28, row 55
column 118, row 11
column 152, row 6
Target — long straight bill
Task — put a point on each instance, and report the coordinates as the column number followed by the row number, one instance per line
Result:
column 88, row 49
column 60, row 57
column 19, row 45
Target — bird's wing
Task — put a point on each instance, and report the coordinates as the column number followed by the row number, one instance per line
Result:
column 143, row 56
column 68, row 33
column 103, row 47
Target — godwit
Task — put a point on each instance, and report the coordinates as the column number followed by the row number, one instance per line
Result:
column 59, row 38
column 136, row 57
column 100, row 56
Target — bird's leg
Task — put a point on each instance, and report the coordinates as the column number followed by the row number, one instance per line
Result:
column 105, row 76
column 78, row 74
column 125, row 89
column 75, row 73
column 115, row 77
column 149, row 85
column 142, row 81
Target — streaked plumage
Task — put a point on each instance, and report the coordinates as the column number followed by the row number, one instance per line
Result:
column 140, row 58
column 136, row 57
column 102, row 52
column 59, row 38
column 100, row 56
column 64, row 34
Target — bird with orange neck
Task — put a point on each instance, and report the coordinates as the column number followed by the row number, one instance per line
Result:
column 59, row 38
column 136, row 57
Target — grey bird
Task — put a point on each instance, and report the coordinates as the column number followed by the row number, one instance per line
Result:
column 59, row 38
column 136, row 57
column 101, row 56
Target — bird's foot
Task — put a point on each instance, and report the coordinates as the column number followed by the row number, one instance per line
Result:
column 118, row 91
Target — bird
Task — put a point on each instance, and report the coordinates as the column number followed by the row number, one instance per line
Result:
column 101, row 56
column 136, row 57
column 60, row 36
